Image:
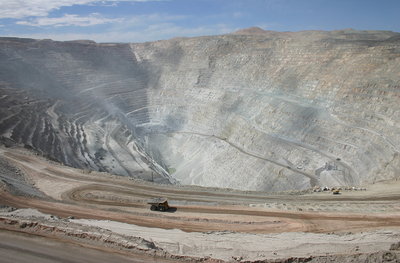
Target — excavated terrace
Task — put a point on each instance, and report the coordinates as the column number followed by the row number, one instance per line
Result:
column 266, row 112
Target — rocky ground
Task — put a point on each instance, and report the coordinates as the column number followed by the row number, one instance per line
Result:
column 255, row 110
column 109, row 213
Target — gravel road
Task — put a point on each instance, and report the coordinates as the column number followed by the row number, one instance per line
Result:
column 65, row 191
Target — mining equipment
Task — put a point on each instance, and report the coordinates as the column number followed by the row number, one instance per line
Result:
column 160, row 204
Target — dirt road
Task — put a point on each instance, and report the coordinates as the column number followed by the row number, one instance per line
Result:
column 104, row 196
column 21, row 247
column 198, row 211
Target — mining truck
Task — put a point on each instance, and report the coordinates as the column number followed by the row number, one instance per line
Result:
column 158, row 204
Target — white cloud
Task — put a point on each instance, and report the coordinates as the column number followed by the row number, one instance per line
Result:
column 140, row 28
column 68, row 20
column 25, row 8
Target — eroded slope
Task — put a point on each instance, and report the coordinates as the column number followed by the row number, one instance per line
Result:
column 272, row 111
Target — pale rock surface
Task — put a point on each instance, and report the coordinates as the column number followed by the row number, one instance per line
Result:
column 254, row 110
column 226, row 245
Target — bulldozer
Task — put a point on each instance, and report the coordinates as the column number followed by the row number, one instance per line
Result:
column 158, row 204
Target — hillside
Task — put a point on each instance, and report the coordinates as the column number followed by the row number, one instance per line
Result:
column 252, row 110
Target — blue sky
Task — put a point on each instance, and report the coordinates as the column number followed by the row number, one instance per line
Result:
column 149, row 20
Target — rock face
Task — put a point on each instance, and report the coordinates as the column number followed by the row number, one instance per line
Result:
column 251, row 110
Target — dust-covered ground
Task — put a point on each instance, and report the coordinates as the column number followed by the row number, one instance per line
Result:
column 104, row 212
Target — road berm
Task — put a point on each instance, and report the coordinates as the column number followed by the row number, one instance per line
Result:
column 110, row 213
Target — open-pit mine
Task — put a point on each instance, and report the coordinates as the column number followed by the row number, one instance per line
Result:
column 244, row 133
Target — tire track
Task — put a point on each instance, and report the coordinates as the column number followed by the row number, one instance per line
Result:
column 196, row 214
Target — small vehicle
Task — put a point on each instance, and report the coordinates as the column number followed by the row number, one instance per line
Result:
column 335, row 192
column 158, row 204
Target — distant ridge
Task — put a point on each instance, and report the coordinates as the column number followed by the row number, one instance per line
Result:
column 349, row 34
column 254, row 30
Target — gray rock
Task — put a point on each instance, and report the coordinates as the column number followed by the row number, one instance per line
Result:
column 251, row 111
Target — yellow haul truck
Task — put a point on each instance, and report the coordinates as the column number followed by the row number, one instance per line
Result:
column 160, row 204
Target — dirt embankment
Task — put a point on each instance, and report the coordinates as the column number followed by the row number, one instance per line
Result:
column 204, row 223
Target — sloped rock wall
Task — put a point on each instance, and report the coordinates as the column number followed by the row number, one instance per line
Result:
column 275, row 111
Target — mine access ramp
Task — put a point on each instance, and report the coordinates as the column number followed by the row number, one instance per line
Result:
column 160, row 204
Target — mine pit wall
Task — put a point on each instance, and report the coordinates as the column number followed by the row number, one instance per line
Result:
column 298, row 103
column 61, row 109
column 245, row 112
